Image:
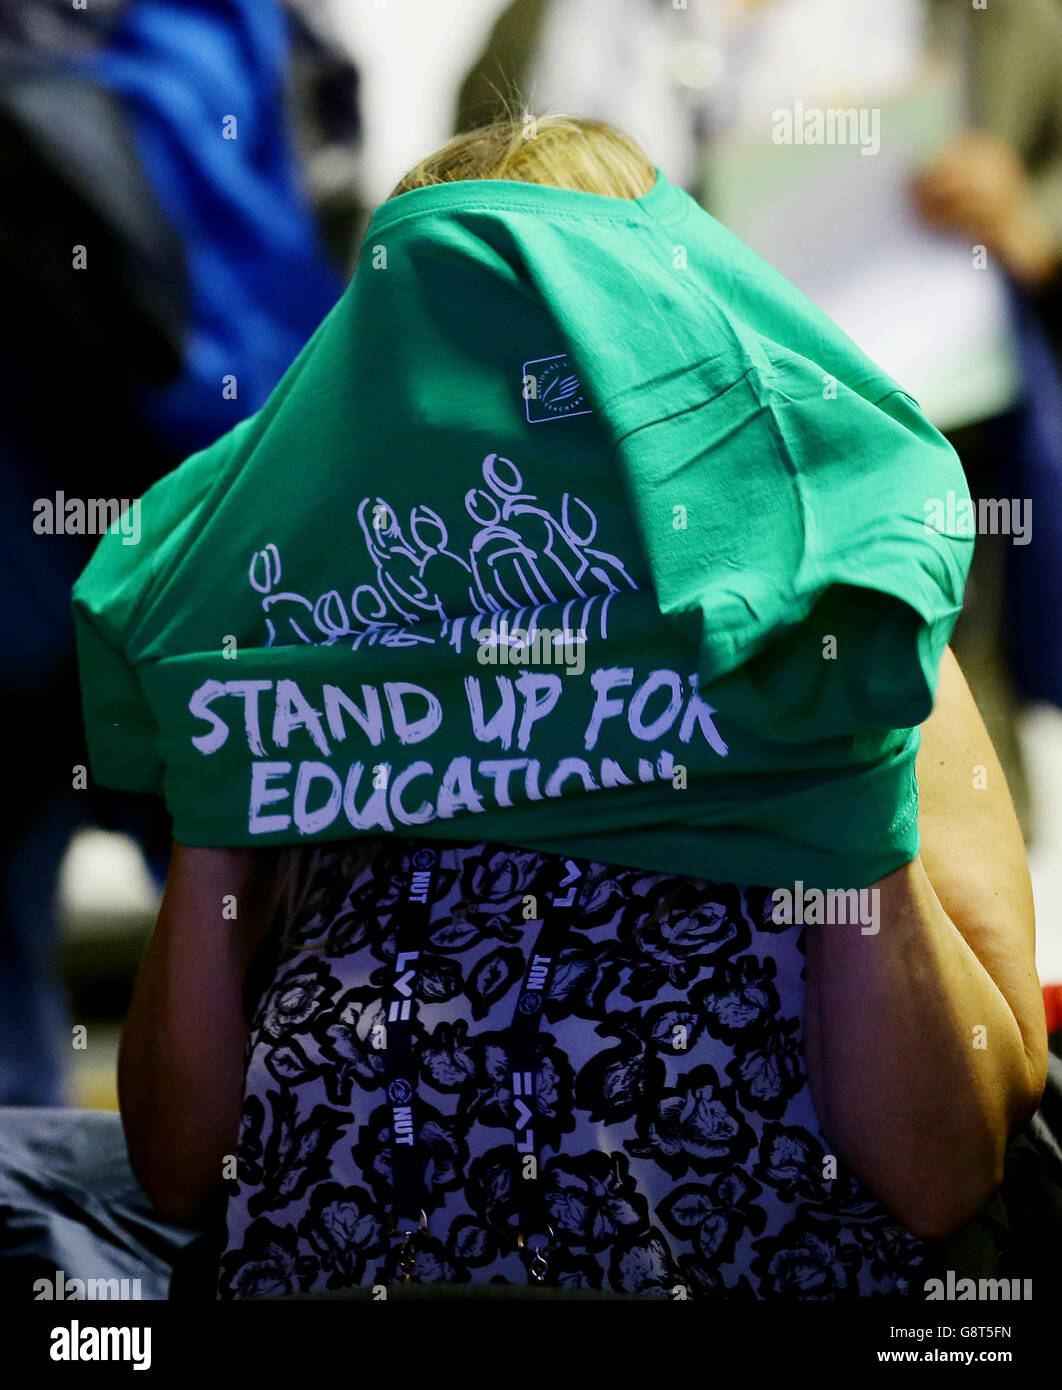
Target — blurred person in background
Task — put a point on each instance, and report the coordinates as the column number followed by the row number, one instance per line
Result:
column 685, row 77
column 201, row 156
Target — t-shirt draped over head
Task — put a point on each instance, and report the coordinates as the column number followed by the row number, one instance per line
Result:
column 573, row 526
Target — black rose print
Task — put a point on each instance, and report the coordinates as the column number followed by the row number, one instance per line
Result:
column 296, row 998
column 697, row 1125
column 593, row 1201
column 491, row 978
column 270, row 1264
column 676, row 1154
column 802, row 1263
column 343, row 1229
column 295, row 1154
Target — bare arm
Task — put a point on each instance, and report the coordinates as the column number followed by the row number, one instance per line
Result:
column 180, row 1064
column 926, row 1042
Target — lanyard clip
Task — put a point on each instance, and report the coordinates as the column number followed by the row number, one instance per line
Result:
column 537, row 1256
column 407, row 1251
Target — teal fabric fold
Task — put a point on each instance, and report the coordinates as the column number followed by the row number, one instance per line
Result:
column 536, row 411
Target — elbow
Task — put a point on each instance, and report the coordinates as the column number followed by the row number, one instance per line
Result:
column 942, row 1220
column 172, row 1196
column 939, row 1208
column 936, row 1182
column 175, row 1180
column 947, row 1200
column 1036, row 1056
column 178, row 1207
column 176, row 1152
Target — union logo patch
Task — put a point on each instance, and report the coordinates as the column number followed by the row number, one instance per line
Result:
column 552, row 390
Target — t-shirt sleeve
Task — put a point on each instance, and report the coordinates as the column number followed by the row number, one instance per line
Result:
column 119, row 725
column 792, row 501
column 112, row 603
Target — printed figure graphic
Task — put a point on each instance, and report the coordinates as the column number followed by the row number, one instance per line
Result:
column 559, row 542
column 520, row 557
column 294, row 610
column 399, row 569
column 430, row 533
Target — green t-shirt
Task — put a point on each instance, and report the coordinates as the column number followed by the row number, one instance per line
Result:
column 600, row 425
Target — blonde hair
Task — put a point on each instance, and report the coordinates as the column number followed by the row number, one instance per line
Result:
column 289, row 881
column 561, row 151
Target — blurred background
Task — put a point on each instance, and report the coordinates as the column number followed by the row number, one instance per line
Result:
column 219, row 160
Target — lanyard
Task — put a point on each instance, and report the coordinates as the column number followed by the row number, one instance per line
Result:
column 409, row 1217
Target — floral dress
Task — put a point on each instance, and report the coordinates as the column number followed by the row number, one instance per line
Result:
column 692, row 1171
